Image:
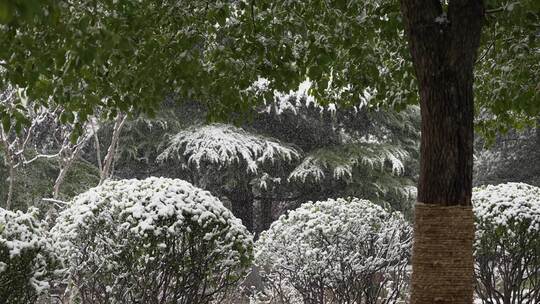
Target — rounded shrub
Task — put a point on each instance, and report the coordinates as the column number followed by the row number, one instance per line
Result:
column 156, row 240
column 335, row 251
column 26, row 257
column 507, row 246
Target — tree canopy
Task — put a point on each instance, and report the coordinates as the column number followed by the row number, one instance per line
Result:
column 129, row 55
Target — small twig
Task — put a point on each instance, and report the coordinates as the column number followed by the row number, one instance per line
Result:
column 48, row 156
column 507, row 7
column 495, row 10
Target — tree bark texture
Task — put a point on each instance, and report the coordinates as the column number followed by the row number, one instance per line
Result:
column 443, row 42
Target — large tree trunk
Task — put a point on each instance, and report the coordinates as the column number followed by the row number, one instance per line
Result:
column 443, row 46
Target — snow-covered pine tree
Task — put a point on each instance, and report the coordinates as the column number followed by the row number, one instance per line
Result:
column 227, row 160
column 353, row 150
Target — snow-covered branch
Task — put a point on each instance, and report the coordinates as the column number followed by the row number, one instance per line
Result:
column 224, row 145
column 339, row 162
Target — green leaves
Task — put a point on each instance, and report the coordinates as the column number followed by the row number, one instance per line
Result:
column 343, row 47
column 507, row 74
column 13, row 110
column 131, row 55
column 25, row 9
column 6, row 121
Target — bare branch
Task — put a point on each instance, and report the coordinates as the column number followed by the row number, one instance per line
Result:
column 107, row 166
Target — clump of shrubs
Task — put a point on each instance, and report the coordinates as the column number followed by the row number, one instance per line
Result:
column 507, row 246
column 156, row 240
column 335, row 251
column 27, row 260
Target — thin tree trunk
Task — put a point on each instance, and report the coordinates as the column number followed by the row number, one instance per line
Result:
column 98, row 149
column 68, row 161
column 64, row 169
column 10, row 163
column 60, row 179
column 538, row 131
column 111, row 152
column 10, row 185
column 242, row 206
column 265, row 218
column 443, row 46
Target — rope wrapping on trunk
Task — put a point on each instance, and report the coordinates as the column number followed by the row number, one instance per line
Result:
column 443, row 262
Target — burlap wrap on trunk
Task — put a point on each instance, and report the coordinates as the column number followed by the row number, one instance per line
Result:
column 442, row 255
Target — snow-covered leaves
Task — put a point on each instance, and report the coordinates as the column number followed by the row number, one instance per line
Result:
column 346, row 49
column 224, row 145
column 26, row 256
column 337, row 248
column 370, row 170
column 151, row 239
column 508, row 242
column 508, row 206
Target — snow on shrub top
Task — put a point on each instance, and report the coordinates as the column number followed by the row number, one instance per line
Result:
column 225, row 145
column 127, row 212
column 331, row 239
column 138, row 206
column 127, row 236
column 508, row 206
column 507, row 244
column 23, row 237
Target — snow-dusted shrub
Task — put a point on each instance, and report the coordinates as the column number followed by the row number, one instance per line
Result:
column 336, row 251
column 156, row 240
column 26, row 257
column 507, row 245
